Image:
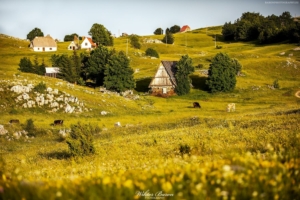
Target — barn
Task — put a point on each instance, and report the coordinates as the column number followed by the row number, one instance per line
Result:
column 185, row 28
column 164, row 82
column 42, row 44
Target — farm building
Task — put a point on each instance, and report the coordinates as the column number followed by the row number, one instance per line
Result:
column 73, row 46
column 164, row 81
column 41, row 44
column 185, row 29
column 51, row 71
column 88, row 43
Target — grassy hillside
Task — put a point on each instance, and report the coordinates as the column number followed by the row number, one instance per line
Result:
column 164, row 144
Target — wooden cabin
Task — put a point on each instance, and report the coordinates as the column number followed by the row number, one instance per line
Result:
column 164, row 82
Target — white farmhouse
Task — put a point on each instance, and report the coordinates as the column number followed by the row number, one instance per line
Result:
column 88, row 43
column 41, row 44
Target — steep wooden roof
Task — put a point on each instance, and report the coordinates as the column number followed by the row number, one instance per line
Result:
column 165, row 75
column 44, row 42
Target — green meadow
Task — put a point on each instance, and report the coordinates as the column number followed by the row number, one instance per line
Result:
column 165, row 149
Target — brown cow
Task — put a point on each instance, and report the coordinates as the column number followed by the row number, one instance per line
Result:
column 14, row 121
column 196, row 105
column 58, row 122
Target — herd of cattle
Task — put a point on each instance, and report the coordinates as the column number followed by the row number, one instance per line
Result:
column 230, row 108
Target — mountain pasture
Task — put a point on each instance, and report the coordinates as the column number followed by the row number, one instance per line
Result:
column 165, row 147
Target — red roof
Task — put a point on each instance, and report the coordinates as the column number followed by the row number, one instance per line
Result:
column 185, row 28
column 91, row 41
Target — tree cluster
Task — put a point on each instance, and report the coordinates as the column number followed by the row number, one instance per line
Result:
column 270, row 29
column 71, row 37
column 69, row 67
column 36, row 32
column 34, row 67
column 168, row 38
column 222, row 73
column 110, row 69
column 173, row 29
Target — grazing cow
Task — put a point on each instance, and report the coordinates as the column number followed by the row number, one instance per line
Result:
column 58, row 122
column 196, row 105
column 231, row 107
column 14, row 121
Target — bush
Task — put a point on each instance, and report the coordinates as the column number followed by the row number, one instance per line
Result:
column 219, row 47
column 80, row 141
column 276, row 84
column 152, row 52
column 29, row 127
column 41, row 87
column 184, row 149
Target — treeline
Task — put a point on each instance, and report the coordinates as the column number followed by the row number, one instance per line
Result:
column 102, row 67
column 270, row 29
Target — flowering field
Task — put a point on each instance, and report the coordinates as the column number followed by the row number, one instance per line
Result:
column 256, row 157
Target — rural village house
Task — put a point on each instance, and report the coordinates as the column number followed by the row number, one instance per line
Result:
column 88, row 43
column 41, row 44
column 185, row 29
column 164, row 82
column 73, row 46
column 51, row 71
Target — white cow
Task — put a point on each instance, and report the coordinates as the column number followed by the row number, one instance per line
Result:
column 231, row 107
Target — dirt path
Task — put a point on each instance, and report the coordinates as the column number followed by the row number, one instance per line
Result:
column 297, row 94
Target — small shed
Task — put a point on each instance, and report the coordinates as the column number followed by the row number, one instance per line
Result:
column 73, row 46
column 51, row 71
column 164, row 82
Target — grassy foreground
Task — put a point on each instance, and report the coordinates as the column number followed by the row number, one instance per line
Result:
column 165, row 149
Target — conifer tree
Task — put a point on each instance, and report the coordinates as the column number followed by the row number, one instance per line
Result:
column 118, row 73
column 184, row 69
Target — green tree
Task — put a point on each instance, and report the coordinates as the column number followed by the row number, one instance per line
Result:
column 169, row 38
column 221, row 74
column 26, row 65
column 158, row 31
column 101, row 35
column 34, row 33
column 152, row 52
column 96, row 64
column 134, row 41
column 184, row 69
column 118, row 73
column 175, row 29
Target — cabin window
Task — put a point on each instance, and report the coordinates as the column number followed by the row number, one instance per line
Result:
column 86, row 44
column 38, row 48
column 50, row 48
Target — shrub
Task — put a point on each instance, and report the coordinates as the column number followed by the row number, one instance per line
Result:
column 219, row 47
column 276, row 84
column 29, row 127
column 41, row 87
column 80, row 141
column 184, row 149
column 152, row 52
